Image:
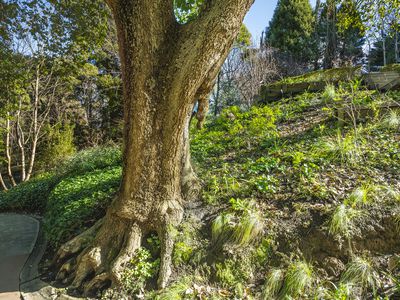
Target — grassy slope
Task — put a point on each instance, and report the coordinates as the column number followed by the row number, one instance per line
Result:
column 274, row 178
column 314, row 185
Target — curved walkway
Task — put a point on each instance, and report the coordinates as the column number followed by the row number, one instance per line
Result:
column 18, row 234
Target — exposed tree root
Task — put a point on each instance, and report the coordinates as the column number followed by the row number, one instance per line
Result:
column 77, row 244
column 104, row 250
column 96, row 258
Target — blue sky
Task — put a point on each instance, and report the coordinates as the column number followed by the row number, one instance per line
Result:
column 259, row 16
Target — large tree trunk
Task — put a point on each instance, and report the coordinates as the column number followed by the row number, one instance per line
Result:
column 166, row 68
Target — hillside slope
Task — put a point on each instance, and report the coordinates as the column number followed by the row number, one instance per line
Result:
column 301, row 200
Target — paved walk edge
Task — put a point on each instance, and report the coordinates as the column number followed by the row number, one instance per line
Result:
column 29, row 278
column 31, row 287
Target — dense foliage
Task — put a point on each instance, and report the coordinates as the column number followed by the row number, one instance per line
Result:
column 300, row 197
column 291, row 164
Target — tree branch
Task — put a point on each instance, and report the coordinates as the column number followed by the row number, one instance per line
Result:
column 207, row 40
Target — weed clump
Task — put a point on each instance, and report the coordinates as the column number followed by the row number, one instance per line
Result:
column 299, row 278
column 342, row 221
column 360, row 273
column 235, row 230
column 273, row 284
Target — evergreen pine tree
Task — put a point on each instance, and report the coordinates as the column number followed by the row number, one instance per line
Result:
column 291, row 29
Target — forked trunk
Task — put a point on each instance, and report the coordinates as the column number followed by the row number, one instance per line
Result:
column 166, row 68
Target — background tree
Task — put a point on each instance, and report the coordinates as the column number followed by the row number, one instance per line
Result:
column 291, row 29
column 380, row 19
column 47, row 50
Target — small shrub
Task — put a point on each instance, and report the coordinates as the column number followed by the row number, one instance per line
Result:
column 247, row 229
column 221, row 229
column 57, row 146
column 343, row 292
column 392, row 120
column 91, row 160
column 368, row 194
column 182, row 253
column 329, row 94
column 176, row 290
column 265, row 183
column 233, row 272
column 240, row 205
column 264, row 250
column 30, row 196
column 235, row 230
column 225, row 273
column 138, row 270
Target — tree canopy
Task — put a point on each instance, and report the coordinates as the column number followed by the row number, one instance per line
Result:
column 291, row 28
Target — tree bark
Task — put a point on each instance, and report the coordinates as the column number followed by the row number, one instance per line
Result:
column 331, row 39
column 316, row 35
column 383, row 44
column 8, row 151
column 2, row 183
column 19, row 134
column 396, row 47
column 216, row 98
column 165, row 67
column 35, row 124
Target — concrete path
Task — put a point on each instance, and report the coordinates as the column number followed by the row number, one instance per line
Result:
column 18, row 235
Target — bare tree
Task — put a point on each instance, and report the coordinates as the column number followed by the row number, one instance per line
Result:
column 242, row 75
column 257, row 68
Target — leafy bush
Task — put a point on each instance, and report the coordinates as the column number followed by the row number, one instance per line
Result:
column 392, row 67
column 57, row 146
column 79, row 201
column 138, row 270
column 234, row 129
column 90, row 160
column 30, row 196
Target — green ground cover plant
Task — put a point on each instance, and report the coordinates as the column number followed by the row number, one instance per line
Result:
column 274, row 178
